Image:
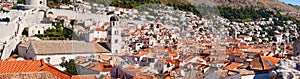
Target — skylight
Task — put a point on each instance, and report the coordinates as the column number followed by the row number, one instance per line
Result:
column 268, row 63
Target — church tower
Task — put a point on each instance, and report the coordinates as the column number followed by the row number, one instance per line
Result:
column 114, row 37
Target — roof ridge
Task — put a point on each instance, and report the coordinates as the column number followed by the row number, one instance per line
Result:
column 57, row 74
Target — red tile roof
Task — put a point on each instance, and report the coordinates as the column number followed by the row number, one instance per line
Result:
column 232, row 66
column 31, row 66
column 264, row 63
column 28, row 75
column 174, row 54
column 141, row 53
column 105, row 57
column 234, row 52
column 99, row 29
column 20, row 66
column 259, row 50
column 56, row 72
column 269, row 62
column 84, row 77
column 245, row 47
column 63, row 5
column 100, row 66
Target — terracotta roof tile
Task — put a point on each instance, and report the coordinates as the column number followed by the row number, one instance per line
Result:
column 245, row 47
column 245, row 65
column 99, row 29
column 172, row 53
column 26, row 75
column 269, row 62
column 234, row 52
column 141, row 53
column 258, row 50
column 264, row 63
column 20, row 66
column 232, row 66
column 105, row 57
column 100, row 66
column 87, row 77
column 56, row 72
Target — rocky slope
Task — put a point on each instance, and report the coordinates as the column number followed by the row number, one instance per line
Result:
column 274, row 5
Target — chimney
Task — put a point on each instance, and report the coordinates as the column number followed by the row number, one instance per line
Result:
column 42, row 62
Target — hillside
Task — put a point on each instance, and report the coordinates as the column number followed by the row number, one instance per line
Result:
column 273, row 5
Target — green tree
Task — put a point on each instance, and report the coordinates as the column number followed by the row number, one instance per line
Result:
column 254, row 38
column 65, row 1
column 71, row 67
column 73, row 22
column 21, row 1
column 60, row 32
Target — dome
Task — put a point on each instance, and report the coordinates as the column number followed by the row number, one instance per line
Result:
column 114, row 18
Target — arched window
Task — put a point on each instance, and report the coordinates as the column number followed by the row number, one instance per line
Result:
column 41, row 2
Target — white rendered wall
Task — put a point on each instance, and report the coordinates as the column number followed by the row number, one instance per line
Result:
column 38, row 28
column 36, row 2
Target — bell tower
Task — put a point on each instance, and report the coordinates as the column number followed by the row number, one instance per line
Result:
column 114, row 37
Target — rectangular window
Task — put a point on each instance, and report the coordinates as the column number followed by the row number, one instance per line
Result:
column 109, row 32
column 116, row 41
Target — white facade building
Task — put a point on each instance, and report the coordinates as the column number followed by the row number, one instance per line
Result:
column 54, row 52
column 38, row 29
column 97, row 35
column 36, row 2
column 114, row 37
